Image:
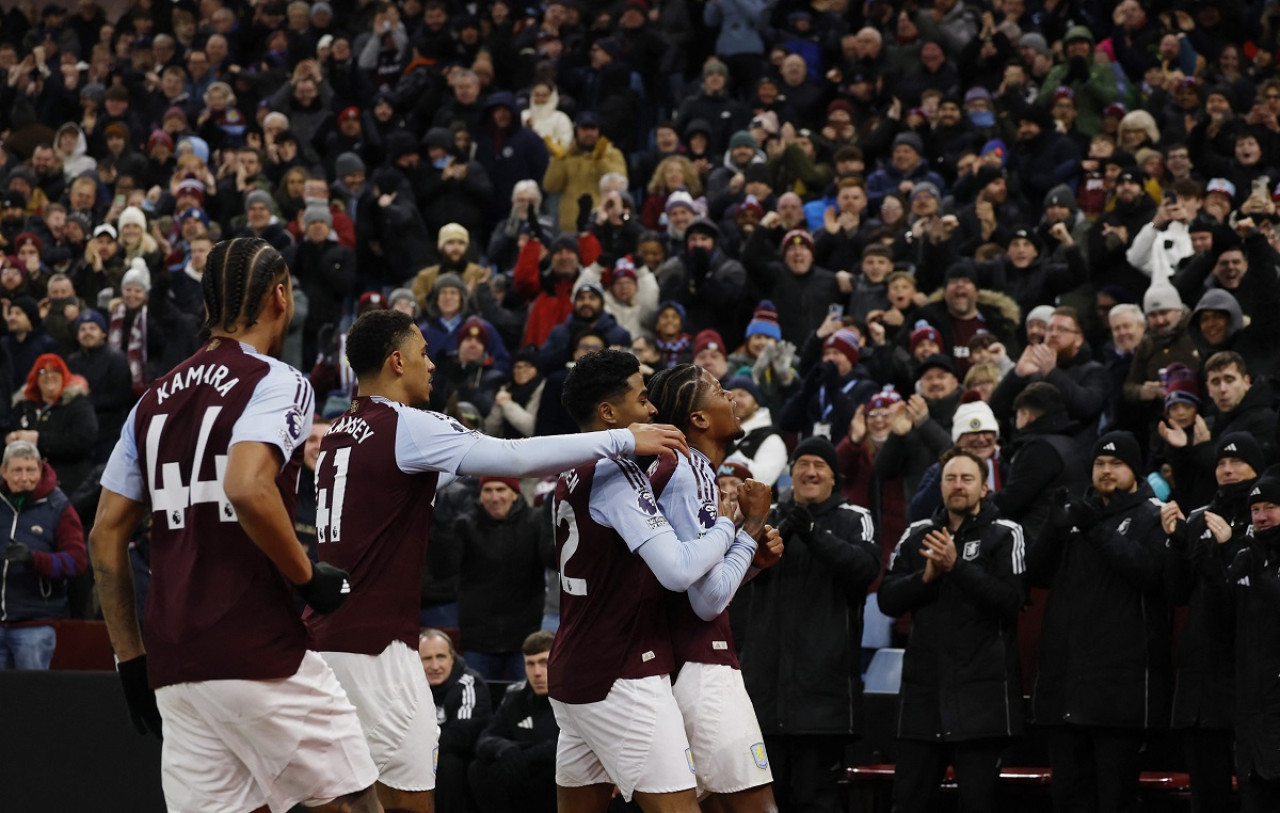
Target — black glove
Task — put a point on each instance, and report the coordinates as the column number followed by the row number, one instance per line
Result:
column 535, row 226
column 699, row 263
column 1058, row 519
column 139, row 695
column 584, row 212
column 797, row 522
column 512, row 767
column 814, row 380
column 328, row 588
column 831, row 377
column 1077, row 69
column 19, row 553
column 1085, row 514
column 1244, row 564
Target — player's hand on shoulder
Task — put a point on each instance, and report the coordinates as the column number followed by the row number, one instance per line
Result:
column 328, row 588
column 658, row 438
column 769, row 553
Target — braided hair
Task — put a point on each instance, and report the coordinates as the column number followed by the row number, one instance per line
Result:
column 676, row 392
column 237, row 277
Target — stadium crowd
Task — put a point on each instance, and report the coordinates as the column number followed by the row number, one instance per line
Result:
column 1025, row 228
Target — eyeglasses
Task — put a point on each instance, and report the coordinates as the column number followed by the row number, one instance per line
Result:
column 1060, row 329
column 50, row 373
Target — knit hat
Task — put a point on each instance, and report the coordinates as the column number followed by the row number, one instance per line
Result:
column 884, row 399
column 134, row 215
column 1035, row 42
column 764, row 320
column 348, row 163
column 1040, row 313
column 474, row 328
column 1220, row 185
column 1241, row 445
column 714, row 66
column 192, row 187
column 138, row 274
column 975, row 94
column 975, row 416
column 673, row 305
column 82, row 220
column 159, row 137
column 401, row 294
column 317, row 212
column 846, row 341
column 1061, row 195
column 1074, row 34
column 371, row 301
column 1121, row 445
column 797, row 237
column 452, row 231
column 257, row 196
column 512, row 483
column 193, row 213
column 91, row 316
column 742, row 138
column 1063, row 92
column 925, row 188
column 922, row 333
column 624, row 268
column 749, row 203
column 817, row 446
column 588, row 285
column 565, row 242
column 1161, row 296
column 702, row 226
column 1267, row 489
column 28, row 237
column 1182, row 386
column 680, row 197
column 744, row 382
column 997, row 147
column 733, row 468
column 962, row 270
column 30, row 307
column 709, row 340
column 910, row 139
column 1037, row 115
column 758, row 172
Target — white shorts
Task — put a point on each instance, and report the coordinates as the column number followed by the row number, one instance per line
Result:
column 722, row 729
column 235, row 745
column 634, row 739
column 393, row 699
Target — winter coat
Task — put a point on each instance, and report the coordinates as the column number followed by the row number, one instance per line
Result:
column 1155, row 353
column 801, row 657
column 711, row 296
column 577, row 172
column 552, row 125
column 1193, row 465
column 46, row 523
column 555, row 350
column 500, row 587
column 887, row 179
column 525, row 721
column 802, row 300
column 68, row 430
column 1082, row 381
column 327, row 272
column 998, row 311
column 827, row 399
column 735, row 22
column 508, row 155
column 961, row 678
column 1104, row 645
column 1045, row 455
column 110, row 391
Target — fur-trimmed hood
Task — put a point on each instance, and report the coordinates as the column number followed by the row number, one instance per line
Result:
column 991, row 299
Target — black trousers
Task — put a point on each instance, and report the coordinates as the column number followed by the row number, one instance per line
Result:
column 805, row 771
column 1259, row 795
column 1094, row 768
column 497, row 788
column 920, row 766
column 1211, row 764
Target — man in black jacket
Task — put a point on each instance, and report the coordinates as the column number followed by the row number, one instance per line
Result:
column 1255, row 576
column 1103, row 674
column 1045, row 455
column 327, row 271
column 807, row 610
column 462, row 710
column 515, row 766
column 1204, row 700
column 960, row 576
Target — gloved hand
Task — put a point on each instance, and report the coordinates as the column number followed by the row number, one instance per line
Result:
column 1077, row 69
column 1059, row 519
column 785, row 359
column 512, row 766
column 796, row 522
column 328, row 588
column 815, row 379
column 535, row 226
column 699, row 264
column 18, row 553
column 1085, row 513
column 763, row 361
column 831, row 377
column 1245, row 563
column 584, row 212
column 139, row 695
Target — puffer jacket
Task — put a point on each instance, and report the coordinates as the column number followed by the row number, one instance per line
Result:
column 1104, row 646
column 801, row 657
column 961, row 678
column 45, row 522
column 68, row 431
column 463, row 709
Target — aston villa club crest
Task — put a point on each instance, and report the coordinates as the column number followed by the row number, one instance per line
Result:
column 760, row 756
column 213, row 345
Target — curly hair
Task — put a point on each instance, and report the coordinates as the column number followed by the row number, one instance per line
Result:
column 594, row 379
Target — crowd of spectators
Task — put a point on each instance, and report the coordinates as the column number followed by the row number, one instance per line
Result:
column 1012, row 226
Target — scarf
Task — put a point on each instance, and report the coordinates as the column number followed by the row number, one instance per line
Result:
column 135, row 349
column 672, row 350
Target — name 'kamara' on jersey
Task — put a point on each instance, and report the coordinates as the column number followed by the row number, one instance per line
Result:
column 212, row 375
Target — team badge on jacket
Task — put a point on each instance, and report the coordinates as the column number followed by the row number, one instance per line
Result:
column 971, row 550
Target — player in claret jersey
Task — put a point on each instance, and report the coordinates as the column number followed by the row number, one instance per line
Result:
column 379, row 467
column 611, row 660
column 719, row 719
column 252, row 720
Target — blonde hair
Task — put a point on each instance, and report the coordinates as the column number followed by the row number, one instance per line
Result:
column 658, row 183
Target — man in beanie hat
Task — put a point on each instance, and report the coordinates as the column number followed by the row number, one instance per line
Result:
column 705, row 280
column 710, row 353
column 26, row 340
column 588, row 314
column 453, row 243
column 549, row 283
column 1042, row 149
column 819, row 585
column 832, row 390
column 975, row 428
column 107, row 372
column 326, row 272
column 962, row 313
column 1204, row 700
column 1167, row 341
column 781, row 262
column 906, row 166
column 260, row 220
column 1104, row 675
column 1093, row 84
column 1128, row 210
column 961, row 694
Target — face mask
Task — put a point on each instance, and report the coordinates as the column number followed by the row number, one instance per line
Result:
column 441, row 163
column 981, row 118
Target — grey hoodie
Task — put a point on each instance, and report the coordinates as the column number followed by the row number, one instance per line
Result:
column 1218, row 299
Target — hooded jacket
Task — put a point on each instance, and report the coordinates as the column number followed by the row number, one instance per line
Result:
column 508, row 154
column 1045, row 455
column 68, row 430
column 79, row 161
column 553, row 126
column 45, row 522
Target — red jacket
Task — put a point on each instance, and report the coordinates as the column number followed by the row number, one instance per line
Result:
column 552, row 298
